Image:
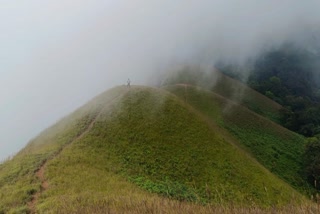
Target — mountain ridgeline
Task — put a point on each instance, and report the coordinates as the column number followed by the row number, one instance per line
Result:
column 180, row 147
column 289, row 75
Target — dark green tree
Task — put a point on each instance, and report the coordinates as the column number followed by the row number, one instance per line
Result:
column 312, row 162
column 289, row 76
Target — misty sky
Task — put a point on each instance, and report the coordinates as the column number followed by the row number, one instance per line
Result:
column 56, row 55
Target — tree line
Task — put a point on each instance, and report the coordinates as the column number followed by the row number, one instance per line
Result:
column 291, row 77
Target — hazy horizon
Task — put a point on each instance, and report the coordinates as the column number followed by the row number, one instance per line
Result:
column 57, row 55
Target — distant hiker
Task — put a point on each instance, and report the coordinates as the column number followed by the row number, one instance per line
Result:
column 128, row 82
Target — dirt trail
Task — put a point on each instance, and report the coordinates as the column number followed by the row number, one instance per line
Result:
column 40, row 172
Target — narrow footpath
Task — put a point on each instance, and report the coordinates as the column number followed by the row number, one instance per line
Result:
column 40, row 172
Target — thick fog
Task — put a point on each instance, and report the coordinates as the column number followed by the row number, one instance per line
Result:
column 56, row 55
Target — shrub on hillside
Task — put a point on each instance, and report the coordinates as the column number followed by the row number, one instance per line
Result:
column 312, row 162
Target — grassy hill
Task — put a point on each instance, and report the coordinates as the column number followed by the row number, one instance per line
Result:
column 140, row 150
column 227, row 87
column 238, row 92
column 18, row 180
column 277, row 148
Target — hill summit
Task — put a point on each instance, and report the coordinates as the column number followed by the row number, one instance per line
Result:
column 132, row 149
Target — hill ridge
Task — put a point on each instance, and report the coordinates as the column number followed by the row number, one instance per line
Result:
column 254, row 134
column 230, row 88
column 225, row 133
column 233, row 102
column 147, row 141
column 40, row 172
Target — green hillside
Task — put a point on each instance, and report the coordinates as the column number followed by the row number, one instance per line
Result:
column 18, row 180
column 277, row 148
column 131, row 150
column 227, row 87
column 241, row 93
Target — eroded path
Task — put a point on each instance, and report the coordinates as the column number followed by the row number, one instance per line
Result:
column 40, row 172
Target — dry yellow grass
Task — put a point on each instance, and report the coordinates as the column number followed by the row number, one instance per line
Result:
column 158, row 205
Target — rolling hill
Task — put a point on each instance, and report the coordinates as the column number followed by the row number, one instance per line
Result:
column 142, row 149
column 229, row 88
column 277, row 148
column 238, row 92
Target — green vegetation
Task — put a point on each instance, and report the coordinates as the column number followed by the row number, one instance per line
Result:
column 18, row 181
column 229, row 88
column 126, row 144
column 289, row 75
column 278, row 149
column 312, row 162
column 244, row 95
column 154, row 141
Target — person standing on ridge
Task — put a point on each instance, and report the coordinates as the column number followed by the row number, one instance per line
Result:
column 128, row 82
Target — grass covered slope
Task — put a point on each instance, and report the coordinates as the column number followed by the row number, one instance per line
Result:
column 18, row 180
column 227, row 87
column 237, row 91
column 277, row 148
column 153, row 140
column 126, row 144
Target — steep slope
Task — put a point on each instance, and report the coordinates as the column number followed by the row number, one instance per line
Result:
column 18, row 180
column 277, row 148
column 125, row 143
